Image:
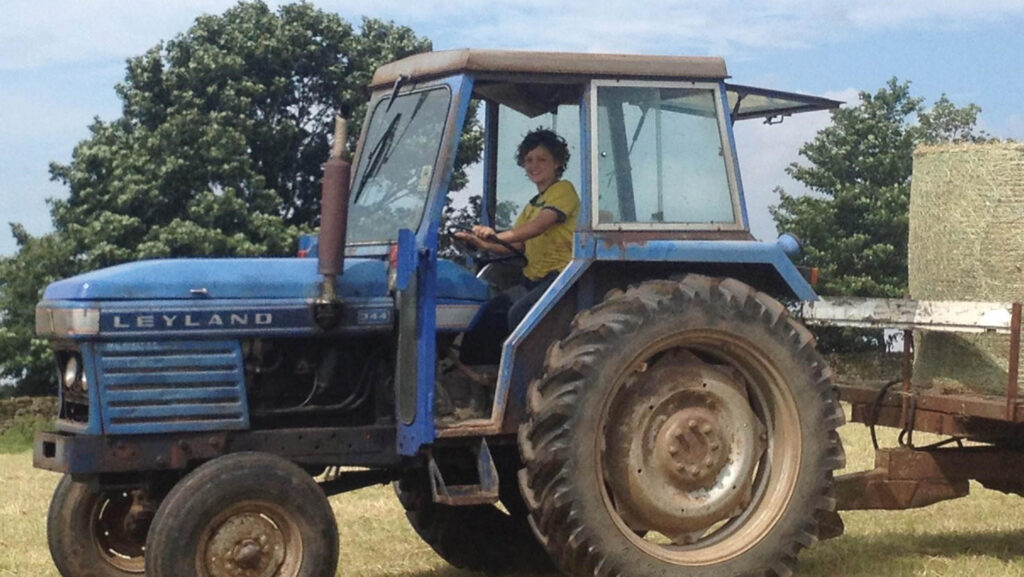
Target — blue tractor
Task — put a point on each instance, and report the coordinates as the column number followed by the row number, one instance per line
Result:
column 657, row 412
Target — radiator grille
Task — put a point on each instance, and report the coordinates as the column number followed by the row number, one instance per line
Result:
column 169, row 386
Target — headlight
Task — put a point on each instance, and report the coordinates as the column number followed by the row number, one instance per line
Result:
column 72, row 370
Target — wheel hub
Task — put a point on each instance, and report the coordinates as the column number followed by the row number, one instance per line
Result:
column 246, row 545
column 119, row 531
column 682, row 446
column 690, row 448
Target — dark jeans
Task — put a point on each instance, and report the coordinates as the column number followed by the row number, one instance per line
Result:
column 501, row 315
column 534, row 290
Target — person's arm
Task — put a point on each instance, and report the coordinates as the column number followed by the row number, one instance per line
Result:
column 516, row 236
column 535, row 227
column 479, row 243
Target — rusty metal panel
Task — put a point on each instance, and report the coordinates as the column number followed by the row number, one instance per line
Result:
column 964, row 405
column 945, row 316
column 907, row 478
column 872, row 490
column 86, row 454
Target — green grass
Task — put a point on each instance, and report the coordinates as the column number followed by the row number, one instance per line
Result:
column 980, row 535
column 18, row 438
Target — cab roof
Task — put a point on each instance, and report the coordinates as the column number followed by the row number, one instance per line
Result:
column 433, row 64
column 504, row 70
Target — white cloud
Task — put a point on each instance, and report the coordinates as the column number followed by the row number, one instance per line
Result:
column 765, row 152
column 37, row 34
column 60, row 31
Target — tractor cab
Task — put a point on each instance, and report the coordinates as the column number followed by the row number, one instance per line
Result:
column 652, row 159
column 650, row 138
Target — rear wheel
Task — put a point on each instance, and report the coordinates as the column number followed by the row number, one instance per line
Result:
column 96, row 533
column 686, row 425
column 250, row 514
column 475, row 537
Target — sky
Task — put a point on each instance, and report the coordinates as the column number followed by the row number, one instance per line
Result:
column 60, row 60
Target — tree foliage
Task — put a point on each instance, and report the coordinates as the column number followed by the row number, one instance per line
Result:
column 854, row 225
column 222, row 135
column 217, row 152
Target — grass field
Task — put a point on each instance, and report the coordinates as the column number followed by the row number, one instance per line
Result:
column 981, row 535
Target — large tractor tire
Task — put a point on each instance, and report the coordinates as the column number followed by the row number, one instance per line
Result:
column 475, row 537
column 244, row 514
column 94, row 533
column 682, row 427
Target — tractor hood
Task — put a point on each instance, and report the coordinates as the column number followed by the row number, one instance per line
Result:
column 254, row 278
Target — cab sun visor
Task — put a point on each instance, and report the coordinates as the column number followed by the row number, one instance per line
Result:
column 772, row 105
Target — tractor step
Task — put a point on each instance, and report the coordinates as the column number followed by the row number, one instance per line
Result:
column 483, row 493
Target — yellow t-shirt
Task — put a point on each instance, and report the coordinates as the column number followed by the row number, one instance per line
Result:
column 551, row 250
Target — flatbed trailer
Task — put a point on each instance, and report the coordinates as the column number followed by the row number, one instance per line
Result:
column 985, row 432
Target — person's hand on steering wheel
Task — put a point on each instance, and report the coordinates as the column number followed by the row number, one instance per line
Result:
column 484, row 238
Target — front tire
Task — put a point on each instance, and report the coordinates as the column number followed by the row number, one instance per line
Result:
column 91, row 533
column 244, row 514
column 684, row 424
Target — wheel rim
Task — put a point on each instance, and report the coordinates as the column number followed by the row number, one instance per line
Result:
column 699, row 433
column 250, row 539
column 119, row 536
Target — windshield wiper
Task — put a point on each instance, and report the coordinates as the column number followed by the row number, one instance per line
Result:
column 377, row 155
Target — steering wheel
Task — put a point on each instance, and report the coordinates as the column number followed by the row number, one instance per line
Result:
column 483, row 257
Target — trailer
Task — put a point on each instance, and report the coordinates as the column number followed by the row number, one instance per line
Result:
column 983, row 432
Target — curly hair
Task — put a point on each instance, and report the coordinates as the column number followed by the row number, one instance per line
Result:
column 553, row 143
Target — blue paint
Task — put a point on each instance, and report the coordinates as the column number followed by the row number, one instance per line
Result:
column 790, row 244
column 511, row 376
column 604, row 247
column 251, row 278
column 309, row 246
column 586, row 180
column 411, row 437
column 222, row 278
column 171, row 386
column 406, row 264
column 730, row 136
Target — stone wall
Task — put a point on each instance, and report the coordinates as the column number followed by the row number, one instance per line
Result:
column 10, row 409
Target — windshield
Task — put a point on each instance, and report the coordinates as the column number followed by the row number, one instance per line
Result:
column 399, row 155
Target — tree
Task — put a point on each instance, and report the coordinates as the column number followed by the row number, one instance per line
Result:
column 854, row 226
column 217, row 152
column 40, row 261
column 223, row 133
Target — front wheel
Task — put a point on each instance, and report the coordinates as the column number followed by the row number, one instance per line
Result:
column 250, row 514
column 684, row 424
column 96, row 533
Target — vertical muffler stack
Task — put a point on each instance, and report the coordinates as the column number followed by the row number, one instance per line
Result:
column 334, row 198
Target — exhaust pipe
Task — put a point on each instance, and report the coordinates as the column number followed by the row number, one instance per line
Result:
column 334, row 198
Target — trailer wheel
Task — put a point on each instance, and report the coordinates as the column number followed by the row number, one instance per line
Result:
column 685, row 424
column 95, row 533
column 250, row 514
column 475, row 537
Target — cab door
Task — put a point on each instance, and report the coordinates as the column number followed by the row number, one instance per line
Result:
column 416, row 290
